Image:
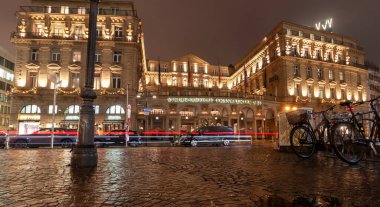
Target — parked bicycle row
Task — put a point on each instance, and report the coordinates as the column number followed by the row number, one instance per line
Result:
column 349, row 133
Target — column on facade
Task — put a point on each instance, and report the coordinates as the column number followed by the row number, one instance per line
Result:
column 255, row 127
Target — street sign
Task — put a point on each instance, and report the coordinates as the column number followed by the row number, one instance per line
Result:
column 147, row 110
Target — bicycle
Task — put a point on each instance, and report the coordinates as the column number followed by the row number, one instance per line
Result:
column 303, row 137
column 348, row 138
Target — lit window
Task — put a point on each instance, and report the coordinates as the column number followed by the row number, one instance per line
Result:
column 51, row 109
column 332, row 92
column 297, row 90
column 99, row 31
column 321, row 92
column 309, row 91
column 96, row 107
column 76, row 56
column 97, row 81
column 75, row 80
column 33, row 79
column 331, row 75
column 64, row 9
column 343, row 94
column 98, row 56
column 341, row 76
column 81, row 10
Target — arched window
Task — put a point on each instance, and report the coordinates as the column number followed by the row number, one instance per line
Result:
column 115, row 109
column 73, row 109
column 30, row 109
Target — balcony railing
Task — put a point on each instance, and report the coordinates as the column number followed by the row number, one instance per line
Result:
column 60, row 10
column 35, row 35
column 319, row 58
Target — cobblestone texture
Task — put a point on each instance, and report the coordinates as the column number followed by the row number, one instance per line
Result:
column 176, row 176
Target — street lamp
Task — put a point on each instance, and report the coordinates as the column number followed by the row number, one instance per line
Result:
column 127, row 118
column 85, row 154
column 56, row 84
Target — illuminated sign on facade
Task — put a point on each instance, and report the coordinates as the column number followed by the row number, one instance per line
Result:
column 326, row 27
column 215, row 100
column 24, row 117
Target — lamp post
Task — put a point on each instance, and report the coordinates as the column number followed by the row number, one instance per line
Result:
column 85, row 154
column 53, row 118
column 127, row 118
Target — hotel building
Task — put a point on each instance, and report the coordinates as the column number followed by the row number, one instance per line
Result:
column 51, row 45
column 293, row 66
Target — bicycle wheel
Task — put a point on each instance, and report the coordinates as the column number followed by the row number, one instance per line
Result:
column 302, row 141
column 348, row 143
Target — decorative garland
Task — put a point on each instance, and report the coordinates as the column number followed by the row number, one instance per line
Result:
column 104, row 91
column 328, row 101
column 68, row 92
column 299, row 99
column 20, row 91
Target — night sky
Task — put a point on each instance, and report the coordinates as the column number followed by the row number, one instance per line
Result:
column 226, row 30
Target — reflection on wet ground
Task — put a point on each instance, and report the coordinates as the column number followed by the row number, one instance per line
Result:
column 174, row 176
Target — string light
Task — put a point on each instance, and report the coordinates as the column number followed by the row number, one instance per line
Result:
column 20, row 91
column 104, row 91
column 68, row 92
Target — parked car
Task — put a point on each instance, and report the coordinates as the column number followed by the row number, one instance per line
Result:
column 3, row 137
column 62, row 137
column 117, row 137
column 209, row 135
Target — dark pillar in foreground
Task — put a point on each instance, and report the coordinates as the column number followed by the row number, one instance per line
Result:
column 85, row 154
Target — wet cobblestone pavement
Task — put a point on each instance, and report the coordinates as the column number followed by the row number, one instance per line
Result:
column 178, row 176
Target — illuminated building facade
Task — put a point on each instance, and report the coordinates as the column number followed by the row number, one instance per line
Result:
column 373, row 80
column 6, row 84
column 51, row 46
column 293, row 66
column 189, row 92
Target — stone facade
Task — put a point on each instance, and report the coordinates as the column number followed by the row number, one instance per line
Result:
column 51, row 45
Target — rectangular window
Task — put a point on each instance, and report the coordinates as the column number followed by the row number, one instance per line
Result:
column 55, row 56
column 320, row 73
column 118, row 32
column 343, row 94
column 76, row 56
column 33, row 79
column 34, row 55
column 81, row 10
column 97, row 81
column 51, row 109
column 116, row 80
column 359, row 80
column 38, row 29
column 75, row 80
column 297, row 90
column 332, row 92
column 117, row 56
column 115, row 10
column 331, row 75
column 318, row 54
column 58, row 31
column 96, row 107
column 99, row 31
column 309, row 72
column 309, row 91
column 296, row 70
column 321, row 92
column 64, row 9
column 341, row 76
column 306, row 52
column 98, row 56
column 78, row 32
